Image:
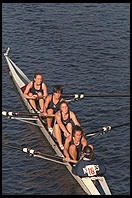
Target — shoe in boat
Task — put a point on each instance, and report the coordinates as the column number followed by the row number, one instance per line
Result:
column 61, row 147
column 37, row 111
column 50, row 130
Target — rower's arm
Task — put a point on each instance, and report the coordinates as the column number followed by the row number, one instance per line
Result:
column 44, row 87
column 74, row 119
column 26, row 92
column 61, row 125
column 83, row 142
column 47, row 101
column 66, row 146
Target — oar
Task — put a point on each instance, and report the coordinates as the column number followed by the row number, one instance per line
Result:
column 105, row 129
column 11, row 113
column 81, row 96
column 38, row 154
column 29, row 120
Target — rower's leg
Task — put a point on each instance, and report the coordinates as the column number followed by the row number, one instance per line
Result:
column 73, row 152
column 49, row 120
column 41, row 102
column 32, row 102
column 57, row 134
column 69, row 127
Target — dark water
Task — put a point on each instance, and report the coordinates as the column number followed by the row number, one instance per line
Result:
column 84, row 47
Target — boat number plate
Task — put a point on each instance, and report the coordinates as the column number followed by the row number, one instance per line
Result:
column 90, row 170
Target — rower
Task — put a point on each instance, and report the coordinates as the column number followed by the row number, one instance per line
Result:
column 64, row 121
column 36, row 92
column 74, row 144
column 88, row 165
column 52, row 104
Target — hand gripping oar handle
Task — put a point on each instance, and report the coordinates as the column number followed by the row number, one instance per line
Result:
column 43, row 156
column 73, row 161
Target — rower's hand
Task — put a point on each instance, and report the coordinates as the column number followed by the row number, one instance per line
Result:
column 66, row 134
column 41, row 97
column 67, row 159
column 34, row 97
column 81, row 155
column 45, row 114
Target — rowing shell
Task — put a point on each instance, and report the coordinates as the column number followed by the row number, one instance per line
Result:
column 19, row 79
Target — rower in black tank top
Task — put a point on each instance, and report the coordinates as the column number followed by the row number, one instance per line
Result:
column 35, row 91
column 78, row 147
column 53, row 106
column 65, row 122
column 68, row 120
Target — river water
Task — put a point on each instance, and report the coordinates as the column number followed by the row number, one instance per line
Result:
column 85, row 47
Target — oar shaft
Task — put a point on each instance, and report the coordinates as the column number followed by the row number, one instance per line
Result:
column 32, row 152
column 80, row 96
column 105, row 129
column 124, row 124
column 13, row 147
column 116, row 95
column 11, row 113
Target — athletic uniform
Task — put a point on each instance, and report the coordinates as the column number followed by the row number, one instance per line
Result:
column 65, row 122
column 35, row 91
column 78, row 147
column 53, row 106
column 87, row 168
column 68, row 120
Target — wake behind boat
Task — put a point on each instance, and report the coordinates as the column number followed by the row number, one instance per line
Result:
column 21, row 80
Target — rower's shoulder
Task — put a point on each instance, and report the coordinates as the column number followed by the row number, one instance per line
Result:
column 71, row 113
column 83, row 139
column 62, row 99
column 30, row 84
column 44, row 84
column 57, row 114
column 49, row 97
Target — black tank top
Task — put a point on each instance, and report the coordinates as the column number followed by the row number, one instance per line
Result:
column 35, row 91
column 78, row 147
column 68, row 120
column 53, row 106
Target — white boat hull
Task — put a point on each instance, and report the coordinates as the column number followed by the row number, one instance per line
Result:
column 86, row 183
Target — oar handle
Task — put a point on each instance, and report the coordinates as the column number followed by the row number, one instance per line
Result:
column 72, row 161
column 47, row 116
column 41, row 97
